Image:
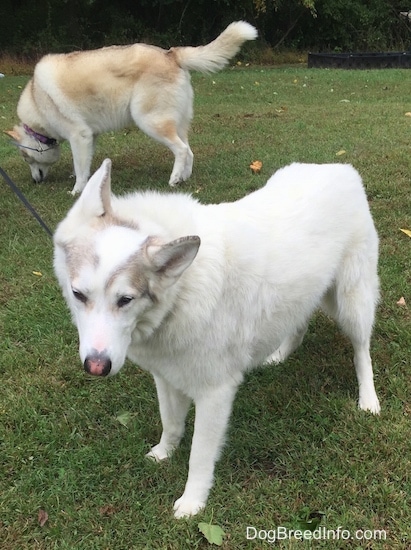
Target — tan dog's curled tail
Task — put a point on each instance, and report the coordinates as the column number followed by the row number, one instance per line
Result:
column 214, row 56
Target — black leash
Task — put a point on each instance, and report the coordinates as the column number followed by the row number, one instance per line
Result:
column 26, row 203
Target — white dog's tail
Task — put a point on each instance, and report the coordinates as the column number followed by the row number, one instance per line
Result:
column 214, row 56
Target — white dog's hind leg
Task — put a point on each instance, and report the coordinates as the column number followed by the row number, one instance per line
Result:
column 182, row 130
column 174, row 406
column 211, row 420
column 167, row 133
column 352, row 304
column 287, row 347
column 183, row 160
column 188, row 168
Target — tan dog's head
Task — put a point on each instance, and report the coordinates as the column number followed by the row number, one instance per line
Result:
column 39, row 151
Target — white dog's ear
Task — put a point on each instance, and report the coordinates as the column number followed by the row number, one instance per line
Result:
column 172, row 259
column 95, row 200
column 13, row 134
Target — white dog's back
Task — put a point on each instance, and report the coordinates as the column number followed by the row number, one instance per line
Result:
column 279, row 250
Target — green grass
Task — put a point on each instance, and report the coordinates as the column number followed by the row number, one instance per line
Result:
column 297, row 440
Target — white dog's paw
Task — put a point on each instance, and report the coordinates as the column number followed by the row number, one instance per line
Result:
column 274, row 359
column 173, row 182
column 159, row 453
column 369, row 403
column 185, row 508
column 79, row 186
column 175, row 179
column 188, row 169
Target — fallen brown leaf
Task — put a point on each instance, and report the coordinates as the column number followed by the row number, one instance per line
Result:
column 42, row 517
column 256, row 166
column 107, row 510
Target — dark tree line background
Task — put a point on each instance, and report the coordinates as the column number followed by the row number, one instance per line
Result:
column 29, row 29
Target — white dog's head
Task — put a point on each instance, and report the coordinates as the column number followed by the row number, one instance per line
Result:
column 39, row 151
column 118, row 282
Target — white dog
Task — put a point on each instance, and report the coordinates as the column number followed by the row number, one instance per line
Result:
column 200, row 294
column 79, row 95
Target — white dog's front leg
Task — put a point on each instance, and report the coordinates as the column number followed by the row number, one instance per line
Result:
column 82, row 148
column 211, row 420
column 173, row 411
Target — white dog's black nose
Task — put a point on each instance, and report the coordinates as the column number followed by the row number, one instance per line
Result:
column 97, row 364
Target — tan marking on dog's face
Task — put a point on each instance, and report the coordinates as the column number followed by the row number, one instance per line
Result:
column 135, row 268
column 112, row 219
column 81, row 249
column 77, row 255
column 134, row 271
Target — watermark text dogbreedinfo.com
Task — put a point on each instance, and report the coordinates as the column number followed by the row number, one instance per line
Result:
column 321, row 533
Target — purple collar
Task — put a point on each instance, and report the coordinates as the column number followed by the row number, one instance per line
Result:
column 42, row 139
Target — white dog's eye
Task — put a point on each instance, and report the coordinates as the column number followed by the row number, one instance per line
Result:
column 124, row 300
column 79, row 296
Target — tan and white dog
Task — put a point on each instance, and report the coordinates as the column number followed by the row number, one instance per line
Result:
column 79, row 95
column 200, row 294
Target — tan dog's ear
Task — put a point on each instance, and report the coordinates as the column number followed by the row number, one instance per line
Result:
column 13, row 134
